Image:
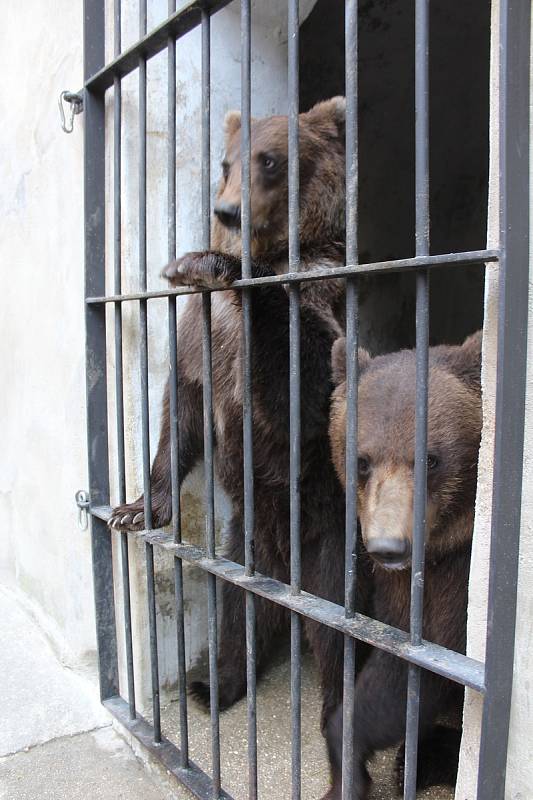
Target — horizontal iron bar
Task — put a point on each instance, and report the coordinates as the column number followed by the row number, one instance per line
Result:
column 376, row 268
column 455, row 666
column 194, row 778
column 154, row 42
column 447, row 663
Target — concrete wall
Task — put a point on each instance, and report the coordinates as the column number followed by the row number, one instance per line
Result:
column 42, row 400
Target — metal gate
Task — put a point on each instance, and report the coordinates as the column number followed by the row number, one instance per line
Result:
column 493, row 679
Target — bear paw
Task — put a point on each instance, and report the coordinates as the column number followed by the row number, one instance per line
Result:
column 205, row 270
column 130, row 516
column 127, row 517
column 438, row 759
column 199, row 690
column 228, row 693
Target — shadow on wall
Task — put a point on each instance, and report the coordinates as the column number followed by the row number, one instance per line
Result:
column 459, row 92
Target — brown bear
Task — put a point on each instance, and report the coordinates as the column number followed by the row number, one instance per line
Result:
column 322, row 179
column 386, row 435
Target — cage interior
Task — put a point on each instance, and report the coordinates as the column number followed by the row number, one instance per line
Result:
column 459, row 114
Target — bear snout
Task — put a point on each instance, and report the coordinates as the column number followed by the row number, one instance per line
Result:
column 229, row 214
column 390, row 551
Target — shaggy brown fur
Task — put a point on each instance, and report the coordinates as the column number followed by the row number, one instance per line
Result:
column 386, row 436
column 322, row 502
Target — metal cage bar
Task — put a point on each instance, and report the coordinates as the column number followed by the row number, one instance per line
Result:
column 247, row 344
column 352, row 336
column 208, row 406
column 145, row 402
column 150, row 44
column 318, row 274
column 421, row 403
column 95, row 350
column 119, row 369
column 294, row 395
column 173, row 401
column 514, row 111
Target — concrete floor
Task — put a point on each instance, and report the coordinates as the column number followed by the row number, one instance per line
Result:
column 274, row 743
column 57, row 743
column 88, row 766
column 56, row 740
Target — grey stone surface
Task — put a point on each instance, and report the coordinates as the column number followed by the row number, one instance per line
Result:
column 56, row 740
column 87, row 766
column 274, row 742
column 48, row 713
column 39, row 699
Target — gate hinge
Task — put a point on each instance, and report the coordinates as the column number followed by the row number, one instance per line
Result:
column 82, row 501
column 76, row 107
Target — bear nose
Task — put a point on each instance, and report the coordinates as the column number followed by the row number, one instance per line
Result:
column 229, row 214
column 389, row 550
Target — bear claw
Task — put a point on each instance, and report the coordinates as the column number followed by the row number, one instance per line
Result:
column 129, row 520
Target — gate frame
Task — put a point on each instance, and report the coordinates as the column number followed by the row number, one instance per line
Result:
column 494, row 679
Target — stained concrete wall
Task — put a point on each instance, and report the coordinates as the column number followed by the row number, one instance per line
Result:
column 42, row 399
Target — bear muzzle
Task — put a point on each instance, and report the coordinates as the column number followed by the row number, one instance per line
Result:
column 229, row 214
column 390, row 552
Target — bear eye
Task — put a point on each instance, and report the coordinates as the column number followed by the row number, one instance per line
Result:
column 363, row 467
column 269, row 163
column 433, row 461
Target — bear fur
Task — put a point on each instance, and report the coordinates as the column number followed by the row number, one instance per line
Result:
column 386, row 440
column 321, row 228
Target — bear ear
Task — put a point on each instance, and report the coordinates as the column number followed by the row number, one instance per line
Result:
column 465, row 361
column 330, row 111
column 232, row 123
column 338, row 360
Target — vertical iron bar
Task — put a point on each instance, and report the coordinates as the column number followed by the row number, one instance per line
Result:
column 95, row 349
column 352, row 335
column 119, row 371
column 422, row 349
column 208, row 404
column 145, row 405
column 294, row 388
column 173, row 387
column 514, row 98
column 248, row 466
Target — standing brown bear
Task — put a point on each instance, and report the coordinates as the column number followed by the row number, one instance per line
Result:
column 386, row 440
column 322, row 177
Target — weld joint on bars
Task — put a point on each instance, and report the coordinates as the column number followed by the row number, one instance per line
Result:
column 375, row 268
column 433, row 657
column 176, row 26
column 438, row 659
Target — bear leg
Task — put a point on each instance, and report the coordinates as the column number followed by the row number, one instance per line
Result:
column 130, row 516
column 271, row 620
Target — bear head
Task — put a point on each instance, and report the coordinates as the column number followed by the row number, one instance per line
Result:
column 386, row 447
column 322, row 181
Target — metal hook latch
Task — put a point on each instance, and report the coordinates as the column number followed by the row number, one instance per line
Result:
column 76, row 107
column 82, row 501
